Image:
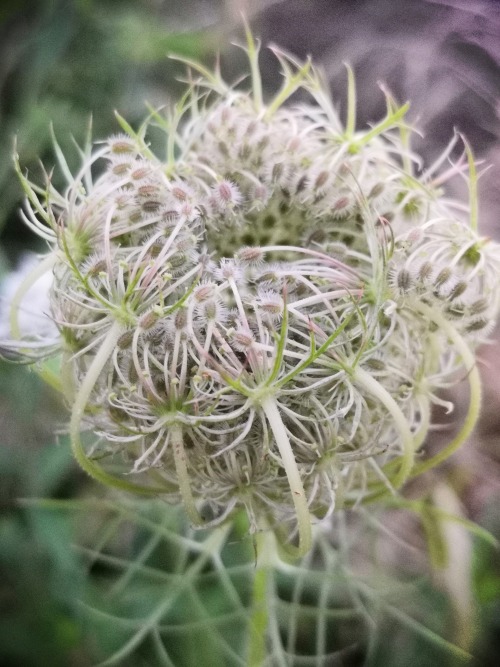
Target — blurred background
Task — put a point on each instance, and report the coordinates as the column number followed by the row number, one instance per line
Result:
column 65, row 61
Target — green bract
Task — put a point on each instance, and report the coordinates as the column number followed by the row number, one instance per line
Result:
column 261, row 317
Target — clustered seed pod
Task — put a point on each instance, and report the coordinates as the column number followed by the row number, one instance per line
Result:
column 262, row 319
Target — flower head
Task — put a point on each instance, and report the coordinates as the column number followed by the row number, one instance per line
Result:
column 262, row 318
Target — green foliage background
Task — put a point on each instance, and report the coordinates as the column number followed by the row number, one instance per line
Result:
column 72, row 568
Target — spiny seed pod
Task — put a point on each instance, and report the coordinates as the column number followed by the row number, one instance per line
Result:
column 457, row 290
column 442, row 277
column 244, row 325
column 122, row 145
column 404, row 280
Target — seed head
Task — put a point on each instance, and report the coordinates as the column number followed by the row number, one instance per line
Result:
column 248, row 320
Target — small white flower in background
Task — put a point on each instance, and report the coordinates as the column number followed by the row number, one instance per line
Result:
column 261, row 319
column 34, row 317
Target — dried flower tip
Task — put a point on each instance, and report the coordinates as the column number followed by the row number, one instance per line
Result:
column 121, row 144
column 141, row 172
column 457, row 290
column 271, row 303
column 301, row 184
column 442, row 277
column 341, row 204
column 227, row 194
column 425, row 271
column 170, row 218
column 477, row 325
column 316, row 236
column 228, row 269
column 455, row 310
column 321, row 180
column 121, row 168
column 151, row 205
column 261, row 193
column 180, row 319
column 135, row 216
column 375, row 364
column 277, row 171
column 404, row 280
column 156, row 248
column 147, row 190
column 178, row 261
column 180, row 193
column 242, row 339
column 415, row 235
column 211, row 310
column 376, row 191
column 479, row 306
column 125, row 340
column 148, row 320
column 204, row 292
column 294, row 144
column 250, row 256
column 123, row 199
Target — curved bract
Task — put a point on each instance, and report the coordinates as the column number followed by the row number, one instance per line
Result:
column 261, row 317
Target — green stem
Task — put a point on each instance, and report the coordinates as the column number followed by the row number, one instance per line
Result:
column 475, row 391
column 473, row 199
column 253, row 57
column 183, row 474
column 259, row 618
column 389, row 121
column 474, row 402
column 425, row 423
column 50, row 377
column 377, row 390
column 272, row 413
column 289, row 87
column 79, row 405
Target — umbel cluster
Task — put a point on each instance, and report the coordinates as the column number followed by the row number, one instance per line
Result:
column 261, row 317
